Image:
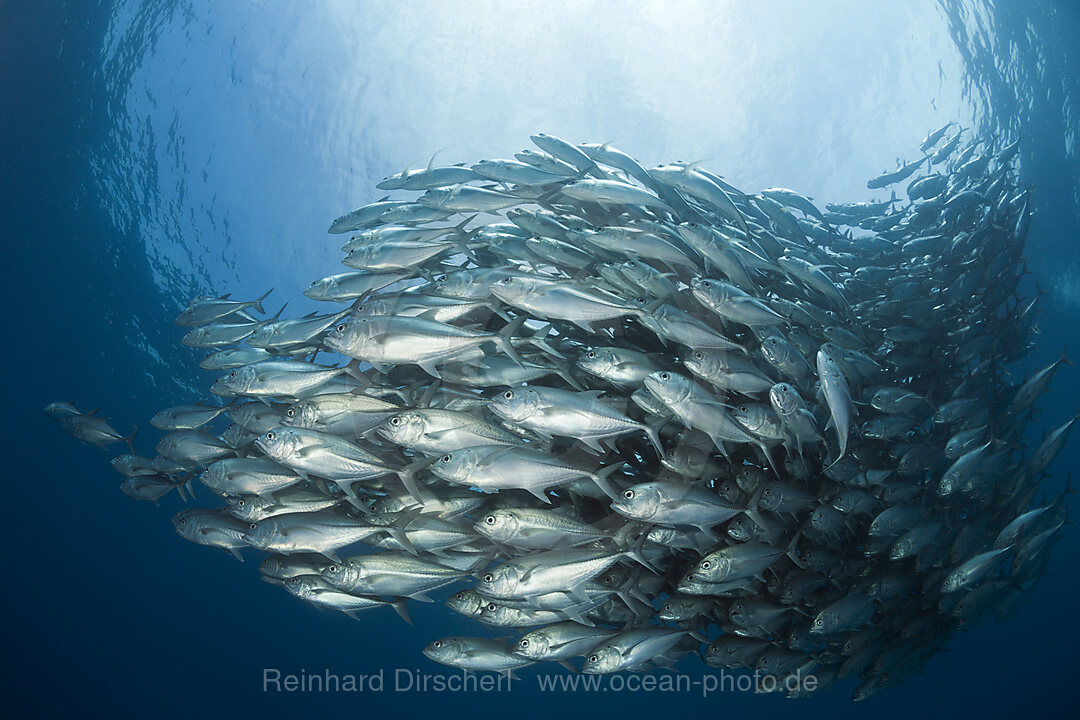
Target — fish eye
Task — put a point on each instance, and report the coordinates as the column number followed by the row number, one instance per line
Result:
column 437, row 644
column 705, row 564
column 233, row 374
column 590, row 354
column 773, row 341
column 332, row 568
column 665, row 376
column 490, row 607
column 241, row 502
column 509, row 394
column 507, row 280
column 489, row 578
column 490, row 519
column 396, row 420
column 706, row 283
column 593, row 658
column 742, row 408
column 629, row 494
column 460, row 596
column 767, row 491
column 699, row 356
column 691, row 577
column 290, row 412
column 251, row 526
column 181, row 521
column 524, row 643
column 440, row 279
column 270, row 435
column 341, row 327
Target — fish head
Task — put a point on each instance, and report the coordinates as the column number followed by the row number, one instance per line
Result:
column 235, row 382
column 320, row 289
column 456, row 466
column 771, row 496
column 375, row 306
column 405, row 429
column 187, row 523
column 714, row 567
column 708, row 291
column 873, row 429
column 195, row 337
column 534, row 645
column 497, row 615
column 703, row 363
column 692, row 584
column 947, row 485
column 900, row 549
column 639, row 502
column 446, row 650
column 351, row 336
column 775, row 349
column 275, row 566
column 513, row 289
column 263, row 335
column 247, row 507
column 166, row 445
column 466, row 602
column 261, row 534
column 501, row 525
column 737, row 613
column 739, row 529
column 301, row 414
column 668, row 387
column 604, row 659
column 516, row 404
column 821, row 625
column 952, row 581
column 279, row 443
column 501, row 582
column 436, row 197
column 302, row 586
column 784, row 398
column 342, row 574
column 881, row 400
column 597, row 361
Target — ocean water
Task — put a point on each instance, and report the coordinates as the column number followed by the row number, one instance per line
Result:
column 154, row 150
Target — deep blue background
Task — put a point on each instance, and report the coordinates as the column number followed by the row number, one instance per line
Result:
column 106, row 232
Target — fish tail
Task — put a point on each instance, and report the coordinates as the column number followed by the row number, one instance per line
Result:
column 258, row 302
column 130, row 440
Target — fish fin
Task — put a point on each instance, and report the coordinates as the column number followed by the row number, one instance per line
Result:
column 130, row 440
column 236, row 553
column 539, row 494
column 593, row 444
column 502, row 339
column 538, row 339
column 566, row 664
column 422, row 597
column 601, row 480
column 402, row 609
column 258, row 302
column 428, row 367
column 653, row 431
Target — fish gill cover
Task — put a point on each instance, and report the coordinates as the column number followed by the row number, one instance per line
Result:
column 639, row 414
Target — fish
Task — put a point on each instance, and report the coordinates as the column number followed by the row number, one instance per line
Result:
column 629, row 412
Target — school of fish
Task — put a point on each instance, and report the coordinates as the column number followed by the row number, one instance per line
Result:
column 638, row 414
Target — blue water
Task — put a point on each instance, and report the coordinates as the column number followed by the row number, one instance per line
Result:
column 154, row 150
